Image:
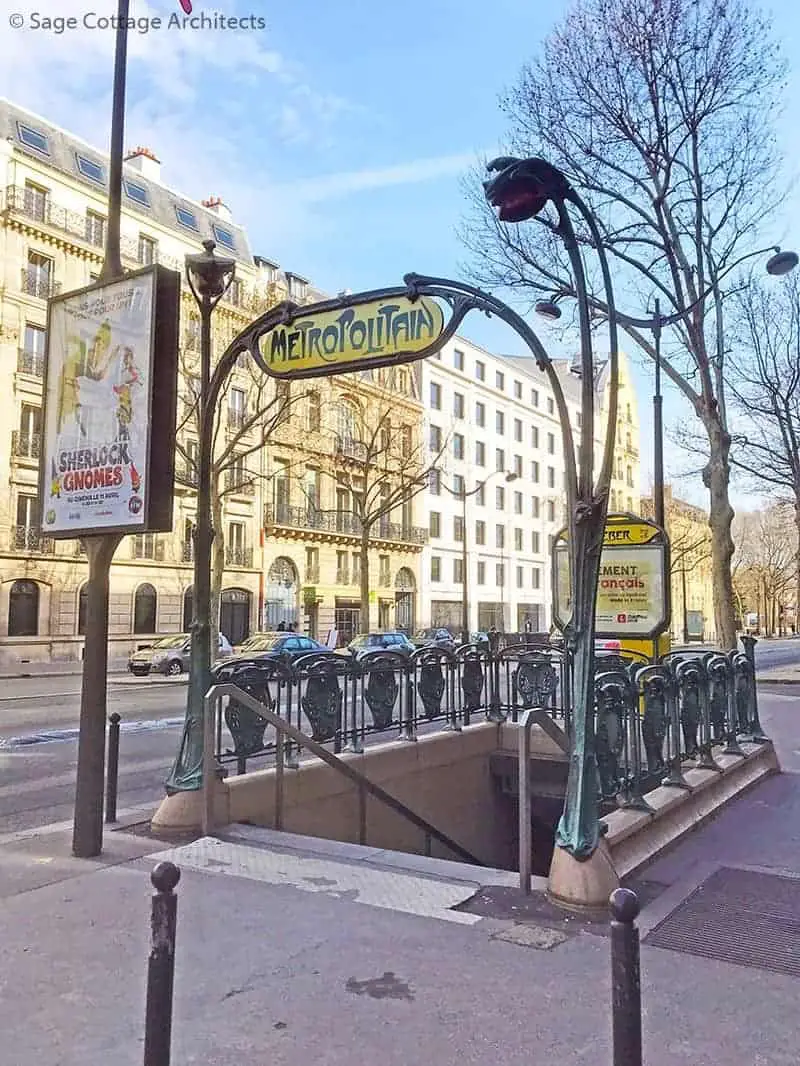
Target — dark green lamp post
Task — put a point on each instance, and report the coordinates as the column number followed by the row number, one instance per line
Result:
column 209, row 277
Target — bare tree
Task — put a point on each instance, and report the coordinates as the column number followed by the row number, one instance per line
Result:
column 252, row 409
column 767, row 568
column 660, row 112
column 764, row 383
column 391, row 466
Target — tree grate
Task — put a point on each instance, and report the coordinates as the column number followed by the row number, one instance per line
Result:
column 738, row 916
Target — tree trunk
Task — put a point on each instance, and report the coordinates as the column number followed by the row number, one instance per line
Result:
column 364, row 555
column 217, row 570
column 716, row 477
column 797, row 563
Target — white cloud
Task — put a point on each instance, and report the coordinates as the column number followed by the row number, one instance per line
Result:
column 333, row 186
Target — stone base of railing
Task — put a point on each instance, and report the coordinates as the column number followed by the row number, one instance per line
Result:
column 634, row 837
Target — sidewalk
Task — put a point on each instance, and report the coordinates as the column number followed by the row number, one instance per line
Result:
column 299, row 968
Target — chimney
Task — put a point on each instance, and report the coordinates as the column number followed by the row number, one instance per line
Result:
column 143, row 160
column 219, row 208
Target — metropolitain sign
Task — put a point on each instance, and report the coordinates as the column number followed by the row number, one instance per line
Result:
column 356, row 333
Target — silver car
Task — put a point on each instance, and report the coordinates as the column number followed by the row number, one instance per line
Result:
column 169, row 655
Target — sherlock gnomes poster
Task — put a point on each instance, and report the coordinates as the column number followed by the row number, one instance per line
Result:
column 97, row 412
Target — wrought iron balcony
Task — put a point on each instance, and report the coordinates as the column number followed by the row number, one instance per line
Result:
column 37, row 284
column 345, row 522
column 235, row 556
column 239, row 483
column 187, row 551
column 31, row 539
column 342, row 577
column 312, row 575
column 186, row 475
column 237, row 418
column 349, row 448
column 30, row 363
column 25, row 445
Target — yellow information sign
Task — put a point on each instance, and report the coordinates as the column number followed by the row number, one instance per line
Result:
column 344, row 337
column 633, row 587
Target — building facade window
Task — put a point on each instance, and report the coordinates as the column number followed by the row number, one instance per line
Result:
column 534, row 436
column 500, row 575
column 458, row 359
column 480, row 532
column 435, row 439
column 95, row 228
column 500, row 498
column 314, row 410
column 499, row 380
column 518, row 465
column 517, row 390
column 500, row 422
column 435, row 524
column 458, row 528
column 500, row 536
column 37, row 201
column 458, row 446
column 551, row 477
column 436, row 396
column 23, row 609
column 148, row 250
column 536, row 541
column 481, row 572
column 480, row 496
column 518, row 540
column 518, row 429
column 436, row 568
column 145, row 602
column 458, row 485
column 499, row 459
column 517, row 503
column 534, row 506
column 480, row 453
column 551, row 444
column 480, row 414
column 458, row 405
column 480, row 370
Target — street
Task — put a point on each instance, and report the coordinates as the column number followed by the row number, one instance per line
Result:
column 38, row 739
column 38, row 777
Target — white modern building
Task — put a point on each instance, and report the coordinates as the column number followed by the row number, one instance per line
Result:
column 502, row 483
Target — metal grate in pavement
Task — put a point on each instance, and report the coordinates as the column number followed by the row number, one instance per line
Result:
column 738, row 916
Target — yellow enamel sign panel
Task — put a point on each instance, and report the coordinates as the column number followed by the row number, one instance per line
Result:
column 380, row 329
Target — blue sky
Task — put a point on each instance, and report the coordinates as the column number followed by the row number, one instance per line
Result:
column 339, row 135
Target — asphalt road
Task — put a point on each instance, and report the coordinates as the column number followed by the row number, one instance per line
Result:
column 37, row 780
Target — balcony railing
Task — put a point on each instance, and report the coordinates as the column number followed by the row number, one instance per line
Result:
column 342, row 577
column 37, row 284
column 187, row 476
column 187, row 551
column 237, row 418
column 30, row 363
column 239, row 483
column 340, row 522
column 235, row 556
column 312, row 575
column 31, row 539
column 25, row 202
column 25, row 445
column 350, row 448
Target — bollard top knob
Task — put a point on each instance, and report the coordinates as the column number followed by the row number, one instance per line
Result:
column 165, row 876
column 115, row 718
column 624, row 905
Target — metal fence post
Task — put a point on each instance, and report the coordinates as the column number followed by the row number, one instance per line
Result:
column 161, row 966
column 112, row 768
column 210, row 704
column 525, row 833
column 625, row 979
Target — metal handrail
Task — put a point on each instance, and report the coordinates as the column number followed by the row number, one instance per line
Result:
column 283, row 727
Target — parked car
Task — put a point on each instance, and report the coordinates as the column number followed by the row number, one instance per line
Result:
column 437, row 636
column 393, row 641
column 169, row 655
column 285, row 646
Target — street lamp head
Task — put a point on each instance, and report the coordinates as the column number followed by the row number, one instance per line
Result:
column 782, row 262
column 511, row 476
column 209, row 275
column 522, row 187
column 548, row 309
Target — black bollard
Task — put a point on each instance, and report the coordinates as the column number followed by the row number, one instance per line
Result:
column 625, row 978
column 112, row 770
column 161, row 966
